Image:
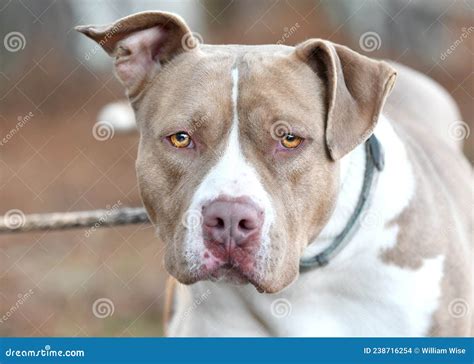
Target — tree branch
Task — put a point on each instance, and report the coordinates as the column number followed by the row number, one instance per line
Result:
column 18, row 222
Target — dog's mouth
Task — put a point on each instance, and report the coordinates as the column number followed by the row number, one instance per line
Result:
column 230, row 273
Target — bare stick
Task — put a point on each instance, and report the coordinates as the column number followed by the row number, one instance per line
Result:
column 15, row 221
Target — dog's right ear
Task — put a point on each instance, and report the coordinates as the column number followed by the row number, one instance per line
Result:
column 141, row 44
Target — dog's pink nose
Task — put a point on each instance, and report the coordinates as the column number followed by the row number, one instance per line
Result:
column 232, row 222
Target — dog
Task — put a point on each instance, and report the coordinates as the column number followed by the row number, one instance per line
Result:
column 300, row 191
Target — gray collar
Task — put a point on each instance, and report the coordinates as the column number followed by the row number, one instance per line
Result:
column 374, row 162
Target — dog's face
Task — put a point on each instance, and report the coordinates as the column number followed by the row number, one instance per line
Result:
column 236, row 196
column 238, row 158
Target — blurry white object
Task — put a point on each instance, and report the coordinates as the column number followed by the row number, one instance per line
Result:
column 120, row 115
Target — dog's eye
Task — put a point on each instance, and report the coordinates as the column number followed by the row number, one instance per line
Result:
column 291, row 141
column 180, row 140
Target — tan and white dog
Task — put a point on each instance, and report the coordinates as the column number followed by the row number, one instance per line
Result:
column 289, row 170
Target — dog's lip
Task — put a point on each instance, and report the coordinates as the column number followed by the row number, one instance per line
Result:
column 229, row 273
column 223, row 271
column 206, row 275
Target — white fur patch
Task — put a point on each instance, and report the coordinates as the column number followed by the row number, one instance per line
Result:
column 385, row 203
column 357, row 294
column 232, row 176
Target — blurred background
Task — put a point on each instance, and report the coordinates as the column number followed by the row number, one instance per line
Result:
column 53, row 82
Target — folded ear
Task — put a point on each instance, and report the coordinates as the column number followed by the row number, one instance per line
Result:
column 141, row 44
column 356, row 86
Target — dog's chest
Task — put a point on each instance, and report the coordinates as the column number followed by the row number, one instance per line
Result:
column 357, row 294
column 374, row 299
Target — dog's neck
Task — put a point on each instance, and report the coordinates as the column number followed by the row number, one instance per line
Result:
column 383, row 205
column 338, row 299
column 349, row 274
column 352, row 168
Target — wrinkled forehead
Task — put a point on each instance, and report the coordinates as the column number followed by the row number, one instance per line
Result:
column 271, row 83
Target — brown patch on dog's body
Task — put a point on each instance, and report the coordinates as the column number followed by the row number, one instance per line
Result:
column 439, row 217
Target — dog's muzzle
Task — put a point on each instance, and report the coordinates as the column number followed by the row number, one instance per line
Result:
column 232, row 229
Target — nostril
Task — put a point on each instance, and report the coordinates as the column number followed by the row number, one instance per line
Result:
column 246, row 224
column 220, row 223
column 215, row 222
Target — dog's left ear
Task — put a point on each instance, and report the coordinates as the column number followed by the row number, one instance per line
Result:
column 356, row 86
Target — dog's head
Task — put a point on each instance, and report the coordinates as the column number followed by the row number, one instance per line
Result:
column 239, row 145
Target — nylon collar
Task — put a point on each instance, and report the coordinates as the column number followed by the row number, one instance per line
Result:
column 374, row 162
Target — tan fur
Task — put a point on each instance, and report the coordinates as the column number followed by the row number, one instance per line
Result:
column 330, row 96
column 131, row 64
column 419, row 99
column 353, row 107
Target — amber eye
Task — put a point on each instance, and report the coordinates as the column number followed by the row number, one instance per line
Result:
column 180, row 140
column 291, row 141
